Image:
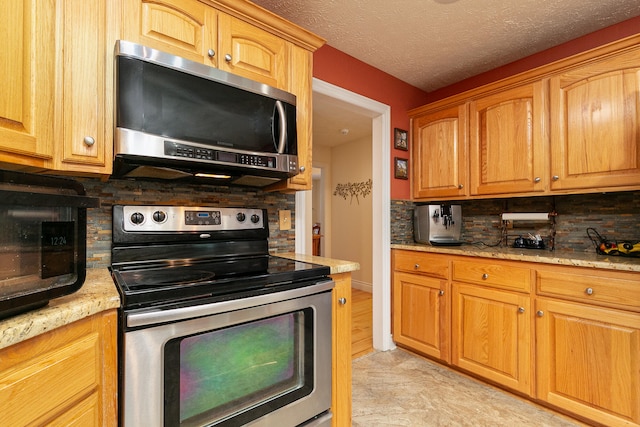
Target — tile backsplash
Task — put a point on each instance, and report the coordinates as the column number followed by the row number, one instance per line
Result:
column 112, row 192
column 615, row 216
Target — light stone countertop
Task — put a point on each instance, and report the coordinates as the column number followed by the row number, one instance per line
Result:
column 577, row 259
column 97, row 294
column 336, row 265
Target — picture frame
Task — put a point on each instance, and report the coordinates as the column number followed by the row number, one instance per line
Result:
column 401, row 139
column 401, row 168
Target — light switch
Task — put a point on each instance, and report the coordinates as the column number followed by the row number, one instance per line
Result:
column 285, row 220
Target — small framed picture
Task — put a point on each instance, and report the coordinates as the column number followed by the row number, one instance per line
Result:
column 400, row 139
column 401, row 168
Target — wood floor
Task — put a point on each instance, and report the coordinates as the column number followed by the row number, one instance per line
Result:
column 362, row 323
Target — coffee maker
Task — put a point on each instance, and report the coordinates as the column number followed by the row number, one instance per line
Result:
column 439, row 225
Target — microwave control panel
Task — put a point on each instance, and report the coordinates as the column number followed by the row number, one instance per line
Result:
column 199, row 153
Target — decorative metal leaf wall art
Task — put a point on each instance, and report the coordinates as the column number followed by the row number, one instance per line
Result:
column 354, row 189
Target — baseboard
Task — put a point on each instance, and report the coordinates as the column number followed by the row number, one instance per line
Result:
column 363, row 286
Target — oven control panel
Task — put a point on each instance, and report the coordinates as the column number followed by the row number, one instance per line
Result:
column 177, row 218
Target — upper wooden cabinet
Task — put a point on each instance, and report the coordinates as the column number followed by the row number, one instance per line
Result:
column 27, row 63
column 507, row 141
column 186, row 28
column 440, row 153
column 569, row 127
column 595, row 124
column 56, row 113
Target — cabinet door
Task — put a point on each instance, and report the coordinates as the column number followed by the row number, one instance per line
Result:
column 440, row 154
column 421, row 314
column 85, row 129
column 507, row 141
column 187, row 28
column 27, row 66
column 595, row 124
column 341, row 372
column 491, row 335
column 251, row 52
column 588, row 361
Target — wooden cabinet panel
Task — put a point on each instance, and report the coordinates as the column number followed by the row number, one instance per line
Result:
column 86, row 125
column 421, row 263
column 251, row 52
column 439, row 156
column 27, row 86
column 491, row 335
column 613, row 289
column 493, row 273
column 421, row 314
column 595, row 124
column 507, row 135
column 187, row 28
column 64, row 377
column 588, row 361
column 341, row 341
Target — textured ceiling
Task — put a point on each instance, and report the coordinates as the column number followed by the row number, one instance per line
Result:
column 434, row 43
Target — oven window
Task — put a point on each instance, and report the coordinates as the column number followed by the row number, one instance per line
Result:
column 234, row 375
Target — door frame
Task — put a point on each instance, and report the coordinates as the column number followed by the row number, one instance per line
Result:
column 381, row 204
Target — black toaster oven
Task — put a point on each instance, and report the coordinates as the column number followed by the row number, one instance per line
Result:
column 43, row 227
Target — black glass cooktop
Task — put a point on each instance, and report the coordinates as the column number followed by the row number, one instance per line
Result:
column 165, row 282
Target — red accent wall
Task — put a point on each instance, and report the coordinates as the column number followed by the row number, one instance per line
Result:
column 336, row 67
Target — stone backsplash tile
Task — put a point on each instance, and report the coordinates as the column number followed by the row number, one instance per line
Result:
column 615, row 216
column 112, row 192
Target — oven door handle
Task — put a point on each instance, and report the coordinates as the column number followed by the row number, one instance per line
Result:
column 151, row 318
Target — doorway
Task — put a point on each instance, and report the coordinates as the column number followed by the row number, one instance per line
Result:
column 380, row 115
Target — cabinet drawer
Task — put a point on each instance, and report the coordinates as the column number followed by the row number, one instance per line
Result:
column 613, row 289
column 422, row 263
column 493, row 273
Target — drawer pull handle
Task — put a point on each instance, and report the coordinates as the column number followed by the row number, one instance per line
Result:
column 417, row 266
column 440, row 292
column 485, row 276
column 540, row 313
column 589, row 291
column 520, row 309
column 342, row 301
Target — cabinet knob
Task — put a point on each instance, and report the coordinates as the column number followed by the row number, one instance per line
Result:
column 520, row 309
column 302, row 168
column 211, row 53
column 460, row 186
column 416, row 266
column 228, row 58
column 342, row 301
column 555, row 177
column 540, row 313
column 440, row 292
column 589, row 291
column 88, row 141
column 485, row 276
column 536, row 179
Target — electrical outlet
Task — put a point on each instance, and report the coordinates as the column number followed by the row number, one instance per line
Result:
column 285, row 220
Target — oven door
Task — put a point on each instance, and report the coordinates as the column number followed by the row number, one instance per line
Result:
column 263, row 360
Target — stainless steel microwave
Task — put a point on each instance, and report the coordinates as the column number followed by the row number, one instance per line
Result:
column 42, row 239
column 181, row 120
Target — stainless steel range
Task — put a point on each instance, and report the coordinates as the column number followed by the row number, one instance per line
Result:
column 214, row 331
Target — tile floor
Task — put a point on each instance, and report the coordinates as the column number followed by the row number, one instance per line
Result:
column 397, row 388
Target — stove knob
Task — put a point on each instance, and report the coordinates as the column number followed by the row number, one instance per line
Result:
column 159, row 216
column 255, row 218
column 137, row 218
column 241, row 216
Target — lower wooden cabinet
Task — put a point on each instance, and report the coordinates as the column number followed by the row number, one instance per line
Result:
column 491, row 335
column 66, row 377
column 422, row 314
column 341, row 340
column 588, row 361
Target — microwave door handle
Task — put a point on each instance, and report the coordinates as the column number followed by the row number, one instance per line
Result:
column 282, row 138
